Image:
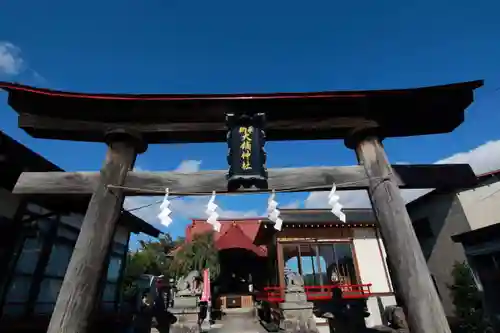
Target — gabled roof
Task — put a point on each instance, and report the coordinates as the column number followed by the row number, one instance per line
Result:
column 235, row 238
column 233, row 234
column 249, row 227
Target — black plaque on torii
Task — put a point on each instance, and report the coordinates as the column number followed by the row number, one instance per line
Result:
column 246, row 155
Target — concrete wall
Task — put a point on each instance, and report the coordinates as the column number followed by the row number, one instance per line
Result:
column 371, row 256
column 371, row 262
column 446, row 217
column 481, row 204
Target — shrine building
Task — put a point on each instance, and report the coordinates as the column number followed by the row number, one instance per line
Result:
column 312, row 243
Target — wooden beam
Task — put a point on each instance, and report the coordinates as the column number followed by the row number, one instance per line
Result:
column 427, row 110
column 179, row 132
column 293, row 179
column 80, row 287
column 423, row 306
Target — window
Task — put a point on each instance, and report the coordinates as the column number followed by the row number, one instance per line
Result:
column 60, row 256
column 338, row 263
column 56, row 267
column 30, row 253
column 115, row 264
column 110, row 294
column 109, row 297
column 46, row 300
column 423, row 229
column 425, row 236
column 310, row 264
column 487, row 267
column 28, row 257
column 318, row 262
column 19, row 289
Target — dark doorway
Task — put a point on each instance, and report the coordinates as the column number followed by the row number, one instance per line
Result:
column 240, row 269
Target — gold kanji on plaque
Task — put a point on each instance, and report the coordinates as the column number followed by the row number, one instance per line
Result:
column 246, row 147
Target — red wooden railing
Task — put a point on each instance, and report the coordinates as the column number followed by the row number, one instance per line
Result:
column 318, row 293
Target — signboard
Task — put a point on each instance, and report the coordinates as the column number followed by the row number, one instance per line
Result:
column 246, row 155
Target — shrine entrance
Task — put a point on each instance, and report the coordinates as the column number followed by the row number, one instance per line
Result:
column 243, row 264
column 238, row 278
column 128, row 123
column 241, row 271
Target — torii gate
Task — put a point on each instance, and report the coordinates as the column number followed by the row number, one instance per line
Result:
column 128, row 123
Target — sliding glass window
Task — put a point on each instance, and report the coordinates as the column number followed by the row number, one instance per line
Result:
column 53, row 276
column 319, row 262
column 27, row 257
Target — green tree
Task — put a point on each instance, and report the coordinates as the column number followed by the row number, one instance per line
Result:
column 151, row 258
column 198, row 254
column 467, row 301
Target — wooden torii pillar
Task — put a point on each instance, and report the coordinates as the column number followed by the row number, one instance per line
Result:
column 424, row 310
column 363, row 117
column 80, row 286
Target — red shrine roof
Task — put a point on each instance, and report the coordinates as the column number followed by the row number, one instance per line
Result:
column 233, row 234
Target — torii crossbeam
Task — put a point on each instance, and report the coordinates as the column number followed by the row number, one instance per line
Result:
column 128, row 123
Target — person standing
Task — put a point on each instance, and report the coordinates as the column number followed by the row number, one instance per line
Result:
column 143, row 317
column 160, row 307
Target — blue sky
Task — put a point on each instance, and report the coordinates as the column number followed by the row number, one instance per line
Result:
column 259, row 46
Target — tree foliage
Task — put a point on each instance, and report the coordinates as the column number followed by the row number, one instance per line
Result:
column 198, row 254
column 467, row 301
column 153, row 258
column 150, row 258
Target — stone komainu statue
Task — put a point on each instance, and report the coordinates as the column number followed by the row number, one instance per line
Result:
column 294, row 282
column 298, row 314
column 396, row 319
column 188, row 285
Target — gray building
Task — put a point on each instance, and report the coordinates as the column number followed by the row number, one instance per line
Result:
column 438, row 216
column 37, row 238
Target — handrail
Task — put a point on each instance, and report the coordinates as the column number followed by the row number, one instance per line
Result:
column 318, row 293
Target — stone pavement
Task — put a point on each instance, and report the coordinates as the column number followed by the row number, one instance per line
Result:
column 234, row 323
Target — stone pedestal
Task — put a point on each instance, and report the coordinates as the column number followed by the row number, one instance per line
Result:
column 186, row 311
column 297, row 313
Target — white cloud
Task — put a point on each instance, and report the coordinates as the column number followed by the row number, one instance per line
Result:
column 11, row 62
column 188, row 207
column 291, row 205
column 482, row 159
column 189, row 166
